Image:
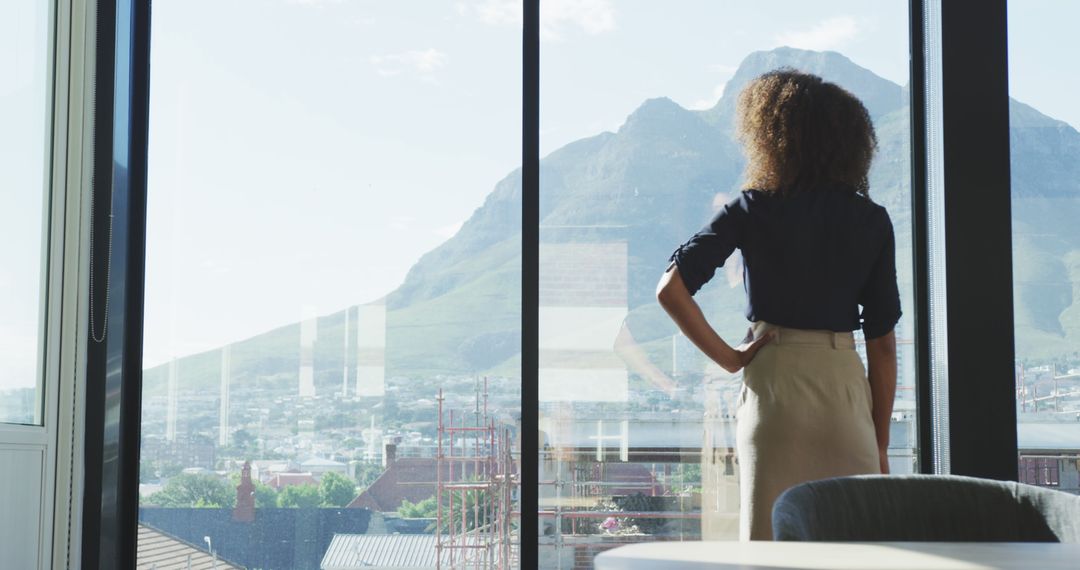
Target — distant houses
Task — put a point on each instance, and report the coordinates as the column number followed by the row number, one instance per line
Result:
column 276, row 539
column 266, row 538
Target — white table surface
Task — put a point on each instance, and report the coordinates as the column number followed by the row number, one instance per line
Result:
column 841, row 556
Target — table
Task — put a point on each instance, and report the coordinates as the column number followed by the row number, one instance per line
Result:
column 841, row 556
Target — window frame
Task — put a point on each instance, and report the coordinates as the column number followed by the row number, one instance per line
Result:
column 976, row 229
column 919, row 232
column 529, row 449
column 116, row 212
column 45, row 433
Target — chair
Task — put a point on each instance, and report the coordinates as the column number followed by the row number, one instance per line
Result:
column 924, row 508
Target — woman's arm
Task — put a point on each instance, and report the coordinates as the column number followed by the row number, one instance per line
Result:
column 881, row 362
column 681, row 307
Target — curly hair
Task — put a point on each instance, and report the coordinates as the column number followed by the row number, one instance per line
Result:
column 801, row 133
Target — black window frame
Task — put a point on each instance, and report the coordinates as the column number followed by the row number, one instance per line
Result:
column 113, row 372
column 980, row 415
column 977, row 224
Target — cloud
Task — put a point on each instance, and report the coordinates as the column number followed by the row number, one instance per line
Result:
column 724, row 71
column 557, row 17
column 708, row 103
column 421, row 62
column 495, row 12
column 829, row 34
column 590, row 16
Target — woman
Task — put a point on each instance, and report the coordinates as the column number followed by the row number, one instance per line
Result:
column 815, row 248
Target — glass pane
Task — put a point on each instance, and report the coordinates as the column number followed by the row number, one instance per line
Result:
column 1045, row 146
column 333, row 282
column 637, row 105
column 24, row 139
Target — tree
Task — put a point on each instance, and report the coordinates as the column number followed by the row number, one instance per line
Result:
column 336, row 490
column 265, row 495
column 367, row 473
column 242, row 439
column 190, row 490
column 168, row 469
column 425, row 509
column 476, row 503
column 299, row 497
column 147, row 473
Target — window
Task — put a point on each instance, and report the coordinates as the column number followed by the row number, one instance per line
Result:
column 637, row 101
column 333, row 298
column 332, row 328
column 1042, row 471
column 1045, row 169
column 334, row 278
column 24, row 149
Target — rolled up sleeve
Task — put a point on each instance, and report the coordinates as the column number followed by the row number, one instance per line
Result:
column 880, row 298
column 698, row 258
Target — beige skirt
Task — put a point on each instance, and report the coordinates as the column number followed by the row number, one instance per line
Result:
column 804, row 414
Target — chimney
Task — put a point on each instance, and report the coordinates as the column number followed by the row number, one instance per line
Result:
column 245, row 496
column 389, row 453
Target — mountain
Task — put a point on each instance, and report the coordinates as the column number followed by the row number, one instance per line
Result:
column 879, row 95
column 650, row 185
column 1046, row 234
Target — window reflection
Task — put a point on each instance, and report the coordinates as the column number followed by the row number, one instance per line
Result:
column 583, row 299
column 371, row 350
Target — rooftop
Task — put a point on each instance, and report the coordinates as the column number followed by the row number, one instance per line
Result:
column 355, row 551
column 161, row 551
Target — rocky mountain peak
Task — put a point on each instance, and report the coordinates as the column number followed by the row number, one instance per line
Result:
column 880, row 95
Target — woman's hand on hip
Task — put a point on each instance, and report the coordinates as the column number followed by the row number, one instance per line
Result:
column 673, row 296
column 741, row 355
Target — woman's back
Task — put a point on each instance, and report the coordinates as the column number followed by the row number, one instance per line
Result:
column 811, row 259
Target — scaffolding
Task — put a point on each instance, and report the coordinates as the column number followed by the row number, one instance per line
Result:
column 581, row 493
column 475, row 491
column 1049, row 392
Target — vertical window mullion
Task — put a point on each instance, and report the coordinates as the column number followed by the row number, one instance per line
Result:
column 117, row 252
column 973, row 193
column 528, row 529
column 920, row 246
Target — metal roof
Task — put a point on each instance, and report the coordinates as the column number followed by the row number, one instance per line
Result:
column 159, row 551
column 355, row 551
column 395, row 551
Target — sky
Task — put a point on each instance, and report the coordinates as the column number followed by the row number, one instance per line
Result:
column 305, row 153
column 306, row 161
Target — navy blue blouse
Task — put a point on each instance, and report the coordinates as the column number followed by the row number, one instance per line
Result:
column 810, row 259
